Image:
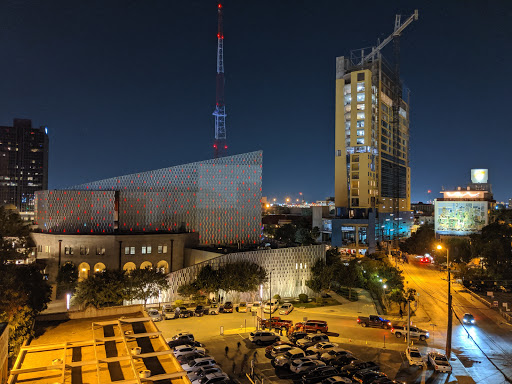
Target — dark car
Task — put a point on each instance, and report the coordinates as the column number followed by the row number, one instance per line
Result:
column 468, row 319
column 318, row 374
column 269, row 348
column 199, row 311
column 184, row 312
column 294, row 336
column 358, row 365
column 186, row 358
column 227, row 307
column 367, row 377
column 342, row 360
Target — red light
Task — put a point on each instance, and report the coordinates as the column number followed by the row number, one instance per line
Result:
column 214, row 145
column 225, row 147
column 220, row 6
column 218, row 36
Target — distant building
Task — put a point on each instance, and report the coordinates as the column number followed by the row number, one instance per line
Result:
column 464, row 211
column 424, row 209
column 23, row 165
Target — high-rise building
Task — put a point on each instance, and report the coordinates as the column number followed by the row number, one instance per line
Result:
column 372, row 174
column 23, row 164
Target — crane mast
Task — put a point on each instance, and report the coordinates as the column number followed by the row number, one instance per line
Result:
column 220, row 145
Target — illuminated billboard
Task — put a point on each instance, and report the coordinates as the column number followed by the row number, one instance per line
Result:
column 460, row 218
column 479, row 176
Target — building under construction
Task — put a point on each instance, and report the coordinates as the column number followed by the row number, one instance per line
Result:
column 372, row 173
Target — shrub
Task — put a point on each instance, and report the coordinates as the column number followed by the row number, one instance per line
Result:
column 178, row 303
column 320, row 301
column 303, row 298
column 277, row 297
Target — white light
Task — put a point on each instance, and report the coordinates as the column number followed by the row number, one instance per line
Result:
column 261, row 291
column 385, row 286
column 68, row 299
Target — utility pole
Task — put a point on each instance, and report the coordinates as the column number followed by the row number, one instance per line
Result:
column 408, row 322
column 449, row 334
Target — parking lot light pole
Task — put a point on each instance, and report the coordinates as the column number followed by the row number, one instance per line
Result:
column 450, row 315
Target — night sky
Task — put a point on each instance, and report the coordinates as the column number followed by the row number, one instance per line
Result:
column 127, row 86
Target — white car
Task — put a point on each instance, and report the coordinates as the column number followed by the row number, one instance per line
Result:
column 185, row 350
column 322, row 347
column 310, row 340
column 214, row 309
column 200, row 362
column 168, row 313
column 154, row 314
column 200, row 373
column 256, row 306
column 280, row 349
column 333, row 354
column 286, row 308
column 413, row 356
column 258, row 337
column 285, row 359
column 305, row 364
column 271, row 306
column 211, row 378
column 439, row 361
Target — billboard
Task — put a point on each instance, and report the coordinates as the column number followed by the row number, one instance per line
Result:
column 460, row 218
column 479, row 176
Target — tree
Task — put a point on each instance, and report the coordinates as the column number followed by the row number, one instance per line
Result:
column 103, row 289
column 494, row 246
column 303, row 236
column 188, row 289
column 67, row 279
column 420, row 242
column 286, row 233
column 15, row 239
column 147, row 283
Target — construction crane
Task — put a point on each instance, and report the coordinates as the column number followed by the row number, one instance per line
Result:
column 399, row 27
column 220, row 145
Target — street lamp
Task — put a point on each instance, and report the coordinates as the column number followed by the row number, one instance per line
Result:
column 449, row 331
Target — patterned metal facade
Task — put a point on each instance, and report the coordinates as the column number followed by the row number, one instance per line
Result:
column 291, row 268
column 219, row 198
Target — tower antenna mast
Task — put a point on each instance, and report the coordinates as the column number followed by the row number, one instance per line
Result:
column 220, row 145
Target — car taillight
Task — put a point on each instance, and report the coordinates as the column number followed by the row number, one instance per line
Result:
column 436, row 367
column 392, row 329
column 358, row 320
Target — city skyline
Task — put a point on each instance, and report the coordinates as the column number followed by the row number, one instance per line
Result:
column 101, row 75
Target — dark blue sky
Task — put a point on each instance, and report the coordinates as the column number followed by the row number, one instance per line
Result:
column 127, row 86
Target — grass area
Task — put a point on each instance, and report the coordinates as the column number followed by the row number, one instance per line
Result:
column 344, row 291
column 323, row 302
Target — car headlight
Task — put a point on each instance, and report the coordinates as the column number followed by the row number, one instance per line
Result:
column 428, row 334
column 472, row 321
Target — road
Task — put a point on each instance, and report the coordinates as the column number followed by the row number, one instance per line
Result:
column 484, row 349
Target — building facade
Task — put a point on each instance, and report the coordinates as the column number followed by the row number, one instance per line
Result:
column 23, row 165
column 291, row 268
column 219, row 199
column 372, row 173
column 96, row 252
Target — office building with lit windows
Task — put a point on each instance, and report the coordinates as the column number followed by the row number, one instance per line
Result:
column 23, row 165
column 372, row 174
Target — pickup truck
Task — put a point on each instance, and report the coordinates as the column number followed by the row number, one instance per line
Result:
column 416, row 333
column 373, row 321
column 276, row 323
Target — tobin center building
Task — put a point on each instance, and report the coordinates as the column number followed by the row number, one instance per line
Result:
column 218, row 198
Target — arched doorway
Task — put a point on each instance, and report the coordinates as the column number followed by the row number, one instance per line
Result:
column 146, row 264
column 128, row 267
column 83, row 271
column 163, row 266
column 99, row 267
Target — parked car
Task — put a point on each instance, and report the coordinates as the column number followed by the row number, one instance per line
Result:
column 227, row 307
column 199, row 311
column 203, row 371
column 188, row 358
column 260, row 337
column 277, row 343
column 214, row 309
column 184, row 350
column 310, row 340
column 318, row 326
column 256, row 306
column 358, row 365
column 413, row 356
column 374, row 321
column 337, row 380
column 286, row 308
column 305, row 365
column 210, row 378
column 183, row 338
column 468, row 319
column 271, row 306
column 242, row 307
column 295, row 336
column 367, row 376
column 276, row 323
column 184, row 312
column 319, row 374
column 439, row 361
column 333, row 353
column 280, row 349
column 343, row 360
column 321, row 347
column 201, row 362
column 154, row 314
column 285, row 359
column 169, row 313
column 416, row 333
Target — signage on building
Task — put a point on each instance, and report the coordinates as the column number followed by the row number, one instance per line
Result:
column 460, row 218
column 466, row 195
column 479, row 175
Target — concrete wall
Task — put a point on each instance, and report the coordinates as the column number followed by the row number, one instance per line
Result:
column 91, row 312
column 196, row 256
column 88, row 248
column 291, row 268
